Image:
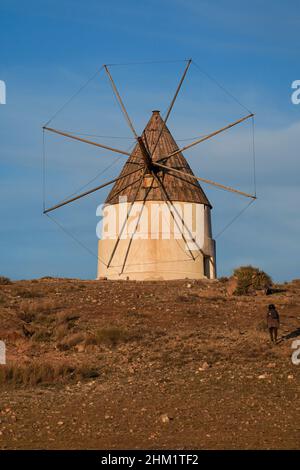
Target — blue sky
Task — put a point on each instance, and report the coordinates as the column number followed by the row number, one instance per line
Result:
column 49, row 48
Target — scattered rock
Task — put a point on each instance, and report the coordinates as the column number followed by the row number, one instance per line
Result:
column 165, row 418
column 204, row 366
column 80, row 347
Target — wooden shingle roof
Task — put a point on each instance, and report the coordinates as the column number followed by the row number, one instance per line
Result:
column 178, row 187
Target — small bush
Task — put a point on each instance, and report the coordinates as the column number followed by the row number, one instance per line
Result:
column 109, row 336
column 4, row 281
column 89, row 373
column 27, row 316
column 61, row 331
column 42, row 336
column 65, row 317
column 250, row 279
column 71, row 341
column 28, row 294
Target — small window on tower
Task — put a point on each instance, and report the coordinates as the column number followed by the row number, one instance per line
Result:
column 148, row 181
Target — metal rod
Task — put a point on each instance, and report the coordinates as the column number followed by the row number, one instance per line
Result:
column 71, row 136
column 222, row 186
column 172, row 104
column 206, row 137
column 88, row 192
column 117, row 94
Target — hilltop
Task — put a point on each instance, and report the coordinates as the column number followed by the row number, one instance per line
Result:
column 124, row 364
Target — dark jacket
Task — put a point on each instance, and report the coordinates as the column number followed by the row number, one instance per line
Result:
column 273, row 319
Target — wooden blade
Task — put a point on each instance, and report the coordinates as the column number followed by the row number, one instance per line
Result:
column 117, row 95
column 172, row 104
column 135, row 228
column 64, row 203
column 168, row 201
column 209, row 136
column 71, row 136
column 125, row 221
column 213, row 183
column 145, row 153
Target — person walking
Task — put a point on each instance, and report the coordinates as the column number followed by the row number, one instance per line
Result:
column 273, row 322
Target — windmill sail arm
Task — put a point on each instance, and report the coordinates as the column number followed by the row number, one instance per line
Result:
column 80, row 139
column 120, row 101
column 144, row 150
column 172, row 104
column 213, row 183
column 168, row 201
column 209, row 136
column 86, row 193
column 126, row 219
column 135, row 229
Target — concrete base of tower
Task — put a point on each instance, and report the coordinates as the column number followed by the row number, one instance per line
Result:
column 154, row 260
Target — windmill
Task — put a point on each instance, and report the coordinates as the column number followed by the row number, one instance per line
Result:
column 156, row 218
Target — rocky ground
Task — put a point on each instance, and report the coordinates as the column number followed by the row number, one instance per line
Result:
column 178, row 365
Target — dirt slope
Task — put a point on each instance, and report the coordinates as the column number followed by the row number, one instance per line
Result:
column 179, row 365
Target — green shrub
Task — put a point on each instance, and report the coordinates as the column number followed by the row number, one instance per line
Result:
column 250, row 279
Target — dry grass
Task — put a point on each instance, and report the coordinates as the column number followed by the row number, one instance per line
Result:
column 61, row 331
column 38, row 373
column 4, row 281
column 109, row 336
column 45, row 306
column 27, row 316
column 41, row 311
column 71, row 341
column 262, row 326
column 187, row 298
column 65, row 317
column 42, row 336
column 47, row 321
column 28, row 294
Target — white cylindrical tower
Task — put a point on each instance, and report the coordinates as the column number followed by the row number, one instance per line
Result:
column 156, row 227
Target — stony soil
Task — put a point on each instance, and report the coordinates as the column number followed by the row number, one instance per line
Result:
column 118, row 365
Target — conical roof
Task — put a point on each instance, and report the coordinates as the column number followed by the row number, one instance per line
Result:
column 177, row 187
